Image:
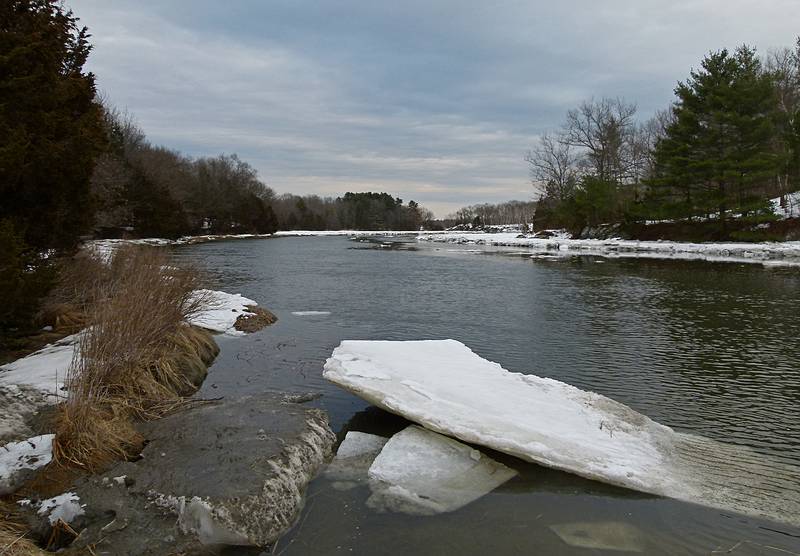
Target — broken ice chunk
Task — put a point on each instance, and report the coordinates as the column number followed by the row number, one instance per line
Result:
column 353, row 459
column 420, row 472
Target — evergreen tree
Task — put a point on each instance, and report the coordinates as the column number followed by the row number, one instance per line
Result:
column 718, row 149
column 50, row 125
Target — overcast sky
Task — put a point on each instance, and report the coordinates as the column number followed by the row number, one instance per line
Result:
column 435, row 101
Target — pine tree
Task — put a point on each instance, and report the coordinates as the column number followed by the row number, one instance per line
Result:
column 50, row 125
column 718, row 149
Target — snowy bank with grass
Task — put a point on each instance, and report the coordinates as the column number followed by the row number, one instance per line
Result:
column 445, row 387
column 37, row 380
column 772, row 253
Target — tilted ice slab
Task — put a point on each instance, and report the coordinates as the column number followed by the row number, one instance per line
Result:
column 420, row 472
column 444, row 386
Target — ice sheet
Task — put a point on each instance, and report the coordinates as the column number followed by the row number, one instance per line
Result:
column 444, row 386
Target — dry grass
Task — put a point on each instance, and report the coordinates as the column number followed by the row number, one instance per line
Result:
column 13, row 535
column 135, row 361
column 80, row 281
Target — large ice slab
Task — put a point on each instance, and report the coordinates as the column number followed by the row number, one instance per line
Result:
column 444, row 386
column 424, row 473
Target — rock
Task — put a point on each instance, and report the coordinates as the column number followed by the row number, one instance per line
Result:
column 255, row 320
column 601, row 535
column 230, row 473
column 420, row 472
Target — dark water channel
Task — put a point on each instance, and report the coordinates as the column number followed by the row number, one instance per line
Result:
column 711, row 349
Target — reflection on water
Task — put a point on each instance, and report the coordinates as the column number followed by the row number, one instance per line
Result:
column 704, row 348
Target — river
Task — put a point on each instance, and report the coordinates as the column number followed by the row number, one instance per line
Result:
column 706, row 348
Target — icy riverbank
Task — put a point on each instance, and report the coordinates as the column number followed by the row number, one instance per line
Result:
column 769, row 254
column 447, row 388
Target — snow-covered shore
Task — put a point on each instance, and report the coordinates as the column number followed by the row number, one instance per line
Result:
column 353, row 233
column 769, row 253
column 104, row 248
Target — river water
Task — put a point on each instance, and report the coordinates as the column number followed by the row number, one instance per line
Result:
column 709, row 349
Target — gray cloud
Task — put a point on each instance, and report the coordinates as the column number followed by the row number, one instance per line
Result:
column 432, row 101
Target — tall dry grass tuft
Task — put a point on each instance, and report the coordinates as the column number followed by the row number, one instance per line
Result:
column 80, row 280
column 13, row 535
column 136, row 360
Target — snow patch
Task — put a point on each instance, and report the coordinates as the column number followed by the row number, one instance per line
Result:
column 310, row 313
column 790, row 208
column 15, row 457
column 65, row 507
column 43, row 370
column 221, row 311
column 420, row 472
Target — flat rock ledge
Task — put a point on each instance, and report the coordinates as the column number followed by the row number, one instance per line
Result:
column 224, row 473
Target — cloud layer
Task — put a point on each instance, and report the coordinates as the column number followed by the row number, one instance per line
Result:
column 435, row 101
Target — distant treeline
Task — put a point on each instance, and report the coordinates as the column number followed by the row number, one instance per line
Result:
column 352, row 211
column 487, row 214
column 729, row 142
column 152, row 191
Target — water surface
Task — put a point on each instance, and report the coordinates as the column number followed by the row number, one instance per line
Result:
column 710, row 349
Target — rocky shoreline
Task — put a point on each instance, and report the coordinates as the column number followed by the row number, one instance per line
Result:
column 221, row 472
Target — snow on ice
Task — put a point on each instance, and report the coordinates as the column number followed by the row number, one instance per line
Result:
column 310, row 313
column 444, row 386
column 420, row 472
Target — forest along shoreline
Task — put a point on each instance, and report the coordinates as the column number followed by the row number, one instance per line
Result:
column 104, row 447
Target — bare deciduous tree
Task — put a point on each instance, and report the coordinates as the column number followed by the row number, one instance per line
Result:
column 553, row 166
column 603, row 129
column 784, row 66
